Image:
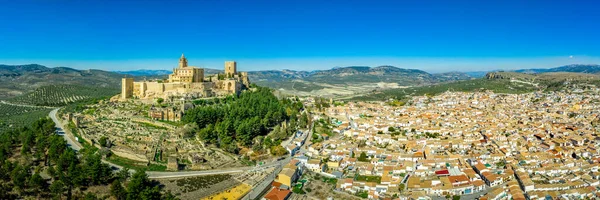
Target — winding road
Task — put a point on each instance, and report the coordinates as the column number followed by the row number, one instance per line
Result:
column 61, row 131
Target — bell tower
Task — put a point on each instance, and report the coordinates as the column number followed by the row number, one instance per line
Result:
column 182, row 61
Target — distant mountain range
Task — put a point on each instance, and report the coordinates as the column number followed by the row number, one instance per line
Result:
column 338, row 75
column 577, row 68
column 19, row 79
column 145, row 72
column 148, row 72
column 276, row 75
column 358, row 74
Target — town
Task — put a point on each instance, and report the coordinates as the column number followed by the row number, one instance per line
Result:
column 456, row 145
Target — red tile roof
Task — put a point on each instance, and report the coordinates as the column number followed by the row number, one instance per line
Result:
column 276, row 184
column 278, row 194
column 442, row 172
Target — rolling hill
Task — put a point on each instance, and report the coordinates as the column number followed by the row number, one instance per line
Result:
column 353, row 80
column 61, row 95
column 16, row 80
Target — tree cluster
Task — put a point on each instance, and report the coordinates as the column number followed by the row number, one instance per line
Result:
column 138, row 187
column 27, row 152
column 363, row 157
column 321, row 103
column 237, row 120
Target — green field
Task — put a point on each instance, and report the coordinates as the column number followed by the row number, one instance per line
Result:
column 60, row 95
column 498, row 86
column 12, row 116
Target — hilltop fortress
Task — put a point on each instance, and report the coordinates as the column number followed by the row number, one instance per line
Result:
column 188, row 81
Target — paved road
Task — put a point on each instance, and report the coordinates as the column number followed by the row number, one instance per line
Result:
column 61, row 131
column 161, row 175
column 180, row 174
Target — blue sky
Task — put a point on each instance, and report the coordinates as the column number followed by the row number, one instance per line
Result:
column 431, row 35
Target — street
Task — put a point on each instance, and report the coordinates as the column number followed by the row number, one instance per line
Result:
column 60, row 129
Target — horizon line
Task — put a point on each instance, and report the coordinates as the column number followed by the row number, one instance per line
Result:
column 431, row 64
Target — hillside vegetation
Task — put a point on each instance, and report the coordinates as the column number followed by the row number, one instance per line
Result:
column 238, row 121
column 17, row 80
column 37, row 164
column 60, row 95
column 13, row 116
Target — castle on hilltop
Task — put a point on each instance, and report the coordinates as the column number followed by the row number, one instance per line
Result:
column 188, row 81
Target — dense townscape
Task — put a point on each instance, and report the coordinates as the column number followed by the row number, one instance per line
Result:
column 470, row 145
column 299, row 100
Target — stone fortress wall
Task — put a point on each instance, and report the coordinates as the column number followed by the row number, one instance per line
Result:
column 188, row 81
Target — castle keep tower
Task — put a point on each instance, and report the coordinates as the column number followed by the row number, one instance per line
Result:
column 126, row 88
column 230, row 68
column 182, row 61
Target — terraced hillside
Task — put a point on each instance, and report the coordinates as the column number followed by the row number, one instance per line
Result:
column 14, row 116
column 60, row 95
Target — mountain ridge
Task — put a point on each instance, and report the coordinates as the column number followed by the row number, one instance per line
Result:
column 19, row 79
column 579, row 68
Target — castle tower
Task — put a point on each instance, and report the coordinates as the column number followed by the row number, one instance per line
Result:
column 230, row 68
column 182, row 61
column 126, row 88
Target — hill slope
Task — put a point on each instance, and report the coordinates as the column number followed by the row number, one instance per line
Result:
column 14, row 116
column 20, row 79
column 60, row 95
